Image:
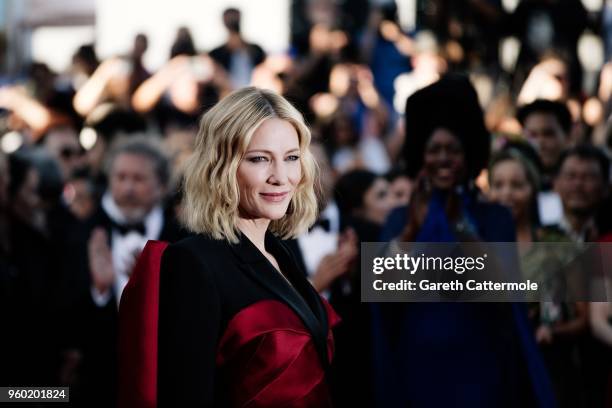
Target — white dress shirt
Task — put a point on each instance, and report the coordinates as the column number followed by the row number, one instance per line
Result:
column 123, row 247
column 318, row 243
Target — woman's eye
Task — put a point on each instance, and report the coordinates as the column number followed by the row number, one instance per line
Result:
column 257, row 159
column 293, row 158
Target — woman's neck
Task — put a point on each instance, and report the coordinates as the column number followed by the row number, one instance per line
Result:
column 255, row 230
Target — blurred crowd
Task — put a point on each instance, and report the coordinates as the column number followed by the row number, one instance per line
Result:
column 93, row 156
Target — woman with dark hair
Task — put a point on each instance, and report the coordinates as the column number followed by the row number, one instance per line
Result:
column 364, row 203
column 452, row 354
column 33, row 282
column 514, row 182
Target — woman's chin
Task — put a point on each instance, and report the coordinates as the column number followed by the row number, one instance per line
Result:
column 275, row 214
column 444, row 184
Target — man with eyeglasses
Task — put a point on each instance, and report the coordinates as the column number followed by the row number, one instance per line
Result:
column 582, row 183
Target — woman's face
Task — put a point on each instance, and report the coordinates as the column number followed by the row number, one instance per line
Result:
column 444, row 161
column 400, row 190
column 510, row 187
column 80, row 198
column 377, row 202
column 270, row 171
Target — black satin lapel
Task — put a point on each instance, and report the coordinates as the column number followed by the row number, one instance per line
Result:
column 289, row 265
column 272, row 281
column 308, row 291
column 315, row 318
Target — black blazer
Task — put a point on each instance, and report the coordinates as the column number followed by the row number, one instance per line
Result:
column 205, row 284
column 223, row 55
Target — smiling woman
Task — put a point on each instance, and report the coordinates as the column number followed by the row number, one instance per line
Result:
column 252, row 132
column 429, row 346
column 270, row 170
column 238, row 322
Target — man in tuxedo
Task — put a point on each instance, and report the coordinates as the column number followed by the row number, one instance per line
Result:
column 130, row 213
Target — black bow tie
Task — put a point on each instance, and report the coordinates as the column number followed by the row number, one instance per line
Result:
column 323, row 223
column 126, row 228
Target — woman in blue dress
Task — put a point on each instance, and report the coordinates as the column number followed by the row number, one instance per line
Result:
column 452, row 354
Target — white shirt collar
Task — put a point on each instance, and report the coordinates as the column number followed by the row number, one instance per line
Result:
column 332, row 213
column 153, row 221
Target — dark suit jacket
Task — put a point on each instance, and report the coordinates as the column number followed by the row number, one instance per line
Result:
column 223, row 55
column 29, row 282
column 233, row 331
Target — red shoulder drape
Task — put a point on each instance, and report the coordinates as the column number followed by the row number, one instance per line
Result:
column 138, row 317
column 266, row 351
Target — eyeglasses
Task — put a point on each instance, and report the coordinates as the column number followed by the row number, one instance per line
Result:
column 69, row 152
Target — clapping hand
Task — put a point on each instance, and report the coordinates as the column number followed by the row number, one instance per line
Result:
column 339, row 263
column 100, row 261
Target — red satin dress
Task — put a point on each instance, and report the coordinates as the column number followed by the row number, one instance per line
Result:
column 278, row 351
column 269, row 346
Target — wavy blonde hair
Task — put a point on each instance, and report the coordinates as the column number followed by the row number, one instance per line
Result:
column 211, row 194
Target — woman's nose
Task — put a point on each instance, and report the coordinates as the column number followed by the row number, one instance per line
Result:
column 506, row 194
column 278, row 174
column 444, row 156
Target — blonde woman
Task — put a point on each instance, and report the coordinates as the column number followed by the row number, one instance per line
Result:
column 239, row 324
